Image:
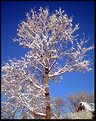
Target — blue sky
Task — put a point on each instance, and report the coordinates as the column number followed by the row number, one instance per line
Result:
column 83, row 12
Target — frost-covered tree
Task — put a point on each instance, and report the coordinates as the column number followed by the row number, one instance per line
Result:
column 54, row 50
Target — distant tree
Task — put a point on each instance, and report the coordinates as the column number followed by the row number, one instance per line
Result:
column 79, row 97
column 59, row 106
column 52, row 40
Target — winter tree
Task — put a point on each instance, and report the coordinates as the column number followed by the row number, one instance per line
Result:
column 59, row 109
column 74, row 100
column 54, row 49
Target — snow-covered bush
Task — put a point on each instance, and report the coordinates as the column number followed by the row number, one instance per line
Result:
column 80, row 115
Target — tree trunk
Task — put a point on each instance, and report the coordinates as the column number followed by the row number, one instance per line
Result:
column 58, row 112
column 47, row 95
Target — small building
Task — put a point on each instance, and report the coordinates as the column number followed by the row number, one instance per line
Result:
column 87, row 106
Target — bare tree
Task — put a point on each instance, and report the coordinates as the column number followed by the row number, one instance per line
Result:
column 59, row 106
column 79, row 97
column 51, row 39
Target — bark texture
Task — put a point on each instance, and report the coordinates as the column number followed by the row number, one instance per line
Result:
column 47, row 92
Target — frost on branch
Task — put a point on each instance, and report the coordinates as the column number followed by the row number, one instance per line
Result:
column 52, row 37
column 53, row 46
column 43, row 28
column 21, row 87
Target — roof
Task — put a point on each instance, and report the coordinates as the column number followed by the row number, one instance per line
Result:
column 88, row 106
